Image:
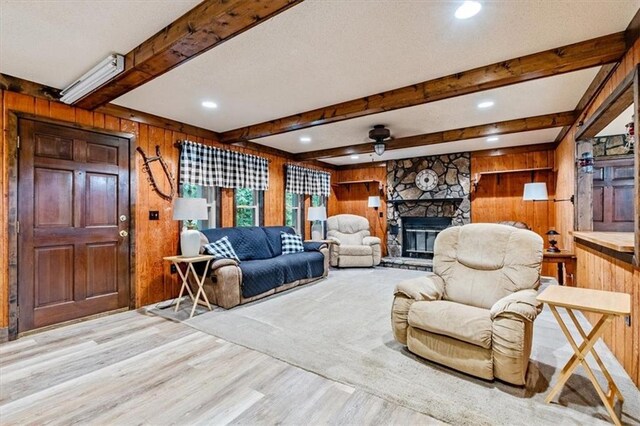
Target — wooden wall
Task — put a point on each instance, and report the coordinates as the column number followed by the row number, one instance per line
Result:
column 498, row 197
column 602, row 272
column 354, row 199
column 153, row 281
column 565, row 153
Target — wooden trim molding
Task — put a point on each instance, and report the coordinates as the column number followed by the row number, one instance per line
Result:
column 539, row 122
column 636, row 159
column 204, row 27
column 573, row 57
column 611, row 107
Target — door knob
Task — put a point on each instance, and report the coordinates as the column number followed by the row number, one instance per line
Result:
column 123, row 233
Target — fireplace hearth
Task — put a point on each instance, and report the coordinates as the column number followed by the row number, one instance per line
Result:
column 419, row 235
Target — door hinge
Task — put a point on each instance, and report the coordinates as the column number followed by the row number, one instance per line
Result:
column 17, row 227
column 18, row 144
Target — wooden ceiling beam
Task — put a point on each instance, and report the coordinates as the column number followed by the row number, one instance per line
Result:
column 573, row 57
column 204, row 27
column 540, row 122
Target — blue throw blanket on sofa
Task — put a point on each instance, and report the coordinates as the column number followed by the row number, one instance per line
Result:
column 262, row 263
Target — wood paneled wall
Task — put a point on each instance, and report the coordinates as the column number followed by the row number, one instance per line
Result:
column 354, row 199
column 153, row 239
column 602, row 272
column 498, row 197
column 565, row 153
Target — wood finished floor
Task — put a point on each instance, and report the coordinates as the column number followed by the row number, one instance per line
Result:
column 131, row 368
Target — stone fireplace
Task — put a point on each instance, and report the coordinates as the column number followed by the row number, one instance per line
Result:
column 415, row 216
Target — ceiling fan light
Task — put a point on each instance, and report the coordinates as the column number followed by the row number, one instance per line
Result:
column 379, row 147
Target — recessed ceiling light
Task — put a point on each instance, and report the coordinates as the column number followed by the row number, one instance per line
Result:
column 305, row 139
column 468, row 9
column 486, row 104
column 209, row 104
column 493, row 139
column 355, row 157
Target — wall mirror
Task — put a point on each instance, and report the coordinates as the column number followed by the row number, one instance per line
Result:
column 607, row 164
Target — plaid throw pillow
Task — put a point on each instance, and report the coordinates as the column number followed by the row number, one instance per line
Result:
column 291, row 243
column 222, row 249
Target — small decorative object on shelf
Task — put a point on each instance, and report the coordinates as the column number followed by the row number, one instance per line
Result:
column 551, row 236
column 165, row 168
column 586, row 162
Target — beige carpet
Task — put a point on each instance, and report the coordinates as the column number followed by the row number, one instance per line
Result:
column 340, row 328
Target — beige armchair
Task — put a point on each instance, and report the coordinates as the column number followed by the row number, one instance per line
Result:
column 476, row 313
column 352, row 243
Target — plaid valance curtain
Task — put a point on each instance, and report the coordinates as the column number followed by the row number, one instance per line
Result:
column 301, row 180
column 209, row 166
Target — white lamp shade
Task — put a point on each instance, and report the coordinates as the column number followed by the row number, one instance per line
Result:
column 317, row 213
column 190, row 209
column 374, row 201
column 536, row 191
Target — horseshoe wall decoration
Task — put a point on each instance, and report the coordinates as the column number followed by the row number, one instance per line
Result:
column 165, row 168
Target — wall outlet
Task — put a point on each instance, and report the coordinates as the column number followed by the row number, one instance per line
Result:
column 154, row 215
column 381, row 214
column 173, row 269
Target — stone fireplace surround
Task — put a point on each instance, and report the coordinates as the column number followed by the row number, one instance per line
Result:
column 450, row 198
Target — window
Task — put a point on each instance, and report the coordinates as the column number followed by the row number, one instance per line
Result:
column 249, row 206
column 294, row 211
column 212, row 195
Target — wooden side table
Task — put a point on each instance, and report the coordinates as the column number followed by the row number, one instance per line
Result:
column 606, row 303
column 562, row 258
column 189, row 261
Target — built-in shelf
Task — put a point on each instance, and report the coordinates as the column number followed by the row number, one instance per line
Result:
column 478, row 176
column 368, row 182
column 417, row 200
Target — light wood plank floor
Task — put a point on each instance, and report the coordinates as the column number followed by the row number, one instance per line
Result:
column 131, row 368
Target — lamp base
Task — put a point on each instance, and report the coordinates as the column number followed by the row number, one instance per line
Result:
column 316, row 231
column 190, row 243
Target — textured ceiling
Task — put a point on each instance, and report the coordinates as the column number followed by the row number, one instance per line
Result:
column 315, row 54
column 54, row 42
column 321, row 52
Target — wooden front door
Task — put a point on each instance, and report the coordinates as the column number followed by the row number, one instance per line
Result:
column 613, row 195
column 73, row 214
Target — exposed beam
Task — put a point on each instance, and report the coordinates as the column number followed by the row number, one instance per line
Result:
column 207, row 25
column 26, row 87
column 574, row 57
column 539, row 122
column 358, row 166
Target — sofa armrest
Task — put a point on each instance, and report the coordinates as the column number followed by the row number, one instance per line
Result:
column 334, row 241
column 521, row 305
column 428, row 287
column 369, row 241
column 219, row 263
column 313, row 245
column 227, row 283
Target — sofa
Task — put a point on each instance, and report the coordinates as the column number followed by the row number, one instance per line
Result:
column 351, row 242
column 263, row 270
column 475, row 313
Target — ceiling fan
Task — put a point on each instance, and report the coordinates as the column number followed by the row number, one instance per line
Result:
column 379, row 133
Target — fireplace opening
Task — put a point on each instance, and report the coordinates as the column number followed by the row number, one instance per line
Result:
column 419, row 235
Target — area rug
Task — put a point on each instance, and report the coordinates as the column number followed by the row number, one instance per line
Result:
column 340, row 328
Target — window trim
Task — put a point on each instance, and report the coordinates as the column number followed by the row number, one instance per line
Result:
column 302, row 201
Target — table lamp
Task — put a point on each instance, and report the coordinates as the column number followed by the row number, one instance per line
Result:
column 188, row 209
column 317, row 215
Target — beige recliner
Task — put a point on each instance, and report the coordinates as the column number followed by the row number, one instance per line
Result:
column 353, row 245
column 476, row 313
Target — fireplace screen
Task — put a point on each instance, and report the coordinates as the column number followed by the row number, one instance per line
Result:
column 419, row 235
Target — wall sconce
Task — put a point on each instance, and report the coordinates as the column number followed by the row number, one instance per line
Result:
column 537, row 191
column 586, row 162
